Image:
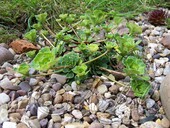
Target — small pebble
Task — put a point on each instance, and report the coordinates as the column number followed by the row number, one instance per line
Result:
column 77, row 114
column 102, row 89
column 165, row 122
column 4, row 98
column 9, row 125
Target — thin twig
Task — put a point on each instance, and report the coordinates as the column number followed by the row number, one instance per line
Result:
column 49, row 30
column 118, row 74
column 47, row 40
column 96, row 57
column 74, row 31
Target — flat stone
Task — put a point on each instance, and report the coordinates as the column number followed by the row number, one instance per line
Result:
column 75, row 125
column 60, row 78
column 77, row 114
column 23, row 103
column 150, row 124
column 3, row 113
column 165, row 95
column 4, row 98
column 165, row 123
column 22, row 125
column 6, row 84
column 166, row 41
column 96, row 125
column 102, row 89
column 25, row 86
column 14, row 117
column 9, row 125
column 5, row 55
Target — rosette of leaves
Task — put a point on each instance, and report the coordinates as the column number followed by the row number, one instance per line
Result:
column 133, row 66
column 23, row 68
column 140, row 87
column 81, row 72
column 68, row 62
column 134, row 29
column 125, row 45
column 44, row 60
column 157, row 17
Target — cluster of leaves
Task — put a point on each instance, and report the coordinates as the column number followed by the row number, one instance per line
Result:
column 80, row 50
column 37, row 28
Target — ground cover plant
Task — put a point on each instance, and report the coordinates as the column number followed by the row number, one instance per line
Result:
column 19, row 15
column 88, row 45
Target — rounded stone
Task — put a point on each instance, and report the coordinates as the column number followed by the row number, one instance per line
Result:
column 4, row 98
column 165, row 95
column 77, row 114
column 165, row 122
column 96, row 125
column 102, row 89
column 150, row 124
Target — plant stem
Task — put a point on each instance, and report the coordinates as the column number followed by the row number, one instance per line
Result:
column 74, row 31
column 96, row 57
column 47, row 40
column 49, row 30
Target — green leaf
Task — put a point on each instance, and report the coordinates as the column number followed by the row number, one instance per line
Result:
column 23, row 69
column 44, row 32
column 31, row 54
column 125, row 45
column 63, row 16
column 134, row 29
column 140, row 87
column 80, row 70
column 41, row 17
column 44, row 60
column 93, row 47
column 118, row 20
column 133, row 65
column 70, row 59
column 109, row 45
column 31, row 35
column 37, row 26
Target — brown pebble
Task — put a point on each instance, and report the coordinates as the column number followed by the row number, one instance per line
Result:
column 46, row 97
column 166, row 41
column 87, row 119
column 21, row 125
column 135, row 115
column 67, row 97
column 23, row 103
column 93, row 99
column 103, row 115
column 114, row 89
column 14, row 117
column 58, row 99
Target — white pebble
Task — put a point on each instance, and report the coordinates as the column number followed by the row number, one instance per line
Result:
column 9, row 125
column 77, row 114
column 4, row 98
column 102, row 89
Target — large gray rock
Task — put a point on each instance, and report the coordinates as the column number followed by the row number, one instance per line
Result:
column 165, row 95
column 5, row 55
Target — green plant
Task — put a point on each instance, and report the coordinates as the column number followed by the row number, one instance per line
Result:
column 44, row 60
column 80, row 51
